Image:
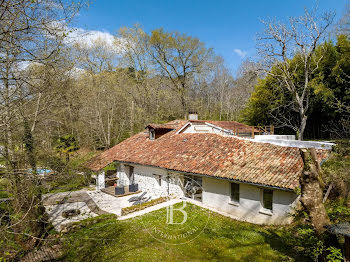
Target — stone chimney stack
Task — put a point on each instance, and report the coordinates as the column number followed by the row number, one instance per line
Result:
column 192, row 115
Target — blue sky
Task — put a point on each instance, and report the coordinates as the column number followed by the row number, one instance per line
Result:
column 223, row 25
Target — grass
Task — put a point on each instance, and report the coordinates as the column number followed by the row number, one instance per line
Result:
column 65, row 184
column 106, row 239
column 4, row 185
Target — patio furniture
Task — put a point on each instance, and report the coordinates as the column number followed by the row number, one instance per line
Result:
column 342, row 229
column 139, row 202
column 133, row 187
column 119, row 190
column 137, row 198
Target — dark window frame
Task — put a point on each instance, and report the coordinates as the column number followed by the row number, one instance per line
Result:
column 131, row 174
column 234, row 192
column 267, row 199
column 152, row 134
column 159, row 179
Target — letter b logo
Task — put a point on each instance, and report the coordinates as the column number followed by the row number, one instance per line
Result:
column 170, row 214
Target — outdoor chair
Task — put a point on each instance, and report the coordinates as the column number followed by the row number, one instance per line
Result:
column 141, row 201
column 137, row 198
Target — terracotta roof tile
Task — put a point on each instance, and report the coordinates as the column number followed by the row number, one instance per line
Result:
column 212, row 155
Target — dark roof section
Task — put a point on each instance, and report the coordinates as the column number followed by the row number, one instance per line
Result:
column 160, row 126
column 173, row 125
column 339, row 229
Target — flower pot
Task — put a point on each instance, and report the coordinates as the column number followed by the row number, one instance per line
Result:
column 119, row 190
column 133, row 188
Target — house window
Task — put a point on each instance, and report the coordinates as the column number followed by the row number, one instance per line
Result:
column 152, row 134
column 131, row 174
column 267, row 199
column 234, row 192
column 159, row 179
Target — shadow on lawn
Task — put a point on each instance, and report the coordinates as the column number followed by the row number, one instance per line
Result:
column 283, row 244
column 89, row 241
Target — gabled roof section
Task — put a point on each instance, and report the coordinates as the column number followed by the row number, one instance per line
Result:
column 226, row 125
column 211, row 155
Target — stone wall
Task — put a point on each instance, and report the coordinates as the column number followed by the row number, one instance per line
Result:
column 155, row 181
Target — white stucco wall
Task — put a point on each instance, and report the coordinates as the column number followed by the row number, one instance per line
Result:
column 100, row 180
column 123, row 175
column 217, row 195
column 198, row 128
column 205, row 128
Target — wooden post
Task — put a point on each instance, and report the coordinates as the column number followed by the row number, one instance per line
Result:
column 347, row 249
column 272, row 129
column 252, row 131
column 327, row 193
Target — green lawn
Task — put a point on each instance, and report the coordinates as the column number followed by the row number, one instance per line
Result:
column 223, row 239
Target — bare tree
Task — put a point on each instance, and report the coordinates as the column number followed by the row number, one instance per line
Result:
column 246, row 79
column 134, row 45
column 343, row 25
column 178, row 57
column 290, row 47
column 31, row 33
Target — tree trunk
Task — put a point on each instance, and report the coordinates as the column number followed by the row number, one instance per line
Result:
column 312, row 190
column 28, row 141
column 302, row 126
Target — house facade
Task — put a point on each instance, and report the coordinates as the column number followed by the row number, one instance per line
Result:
column 207, row 162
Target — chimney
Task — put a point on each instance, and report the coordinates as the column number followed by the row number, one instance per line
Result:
column 192, row 115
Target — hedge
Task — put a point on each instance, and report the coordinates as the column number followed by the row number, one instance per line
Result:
column 131, row 209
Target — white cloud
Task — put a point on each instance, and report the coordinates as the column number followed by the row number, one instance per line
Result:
column 87, row 38
column 240, row 52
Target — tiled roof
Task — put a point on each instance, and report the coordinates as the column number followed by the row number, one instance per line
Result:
column 176, row 124
column 211, row 155
column 231, row 125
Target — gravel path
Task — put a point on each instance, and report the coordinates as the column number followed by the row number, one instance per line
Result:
column 73, row 197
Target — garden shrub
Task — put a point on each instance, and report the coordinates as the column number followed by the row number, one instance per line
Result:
column 131, row 209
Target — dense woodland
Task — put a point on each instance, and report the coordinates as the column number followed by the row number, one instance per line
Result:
column 329, row 95
column 59, row 95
